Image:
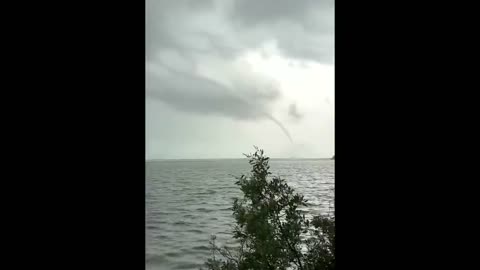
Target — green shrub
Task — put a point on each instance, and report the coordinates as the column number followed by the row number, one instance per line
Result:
column 271, row 230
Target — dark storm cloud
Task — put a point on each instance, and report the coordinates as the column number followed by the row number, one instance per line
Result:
column 196, row 94
column 319, row 48
column 160, row 30
column 303, row 29
column 251, row 12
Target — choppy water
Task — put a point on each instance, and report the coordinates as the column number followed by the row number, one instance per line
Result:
column 189, row 200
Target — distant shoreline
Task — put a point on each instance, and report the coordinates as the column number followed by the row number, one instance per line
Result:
column 212, row 159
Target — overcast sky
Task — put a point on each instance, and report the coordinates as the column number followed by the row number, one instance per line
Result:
column 224, row 75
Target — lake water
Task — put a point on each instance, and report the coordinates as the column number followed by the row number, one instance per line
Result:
column 189, row 200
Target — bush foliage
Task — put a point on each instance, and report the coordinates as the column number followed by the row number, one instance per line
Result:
column 271, row 229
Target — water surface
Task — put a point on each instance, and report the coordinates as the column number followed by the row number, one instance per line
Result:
column 189, row 200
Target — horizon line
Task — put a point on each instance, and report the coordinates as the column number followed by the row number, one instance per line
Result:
column 159, row 159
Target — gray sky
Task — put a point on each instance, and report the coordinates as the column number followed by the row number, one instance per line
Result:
column 224, row 75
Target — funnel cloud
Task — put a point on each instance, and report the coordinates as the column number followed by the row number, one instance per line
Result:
column 196, row 94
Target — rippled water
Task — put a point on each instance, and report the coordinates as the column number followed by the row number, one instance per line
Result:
column 189, row 200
